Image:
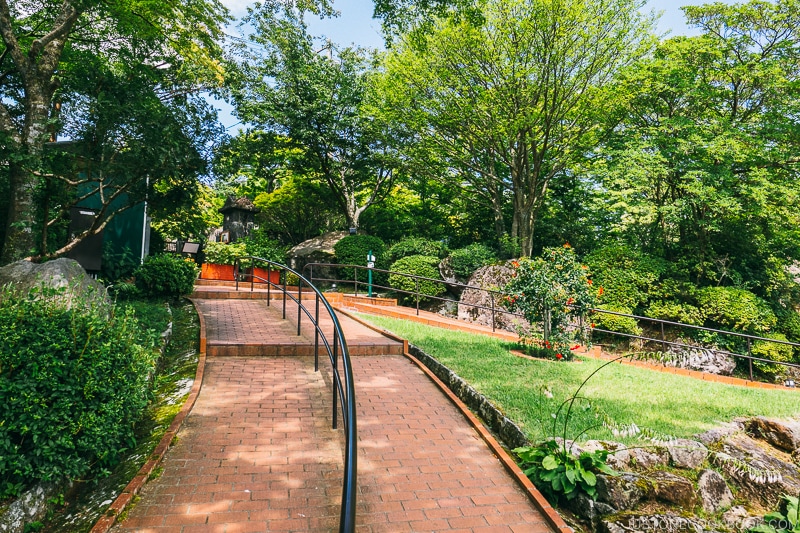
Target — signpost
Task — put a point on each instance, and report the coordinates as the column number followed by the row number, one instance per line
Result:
column 370, row 266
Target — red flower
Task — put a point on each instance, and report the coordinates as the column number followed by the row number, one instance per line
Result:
column 566, row 245
column 559, row 356
column 546, row 344
column 515, row 264
column 600, row 291
column 570, row 301
column 592, row 324
column 575, row 347
column 589, row 281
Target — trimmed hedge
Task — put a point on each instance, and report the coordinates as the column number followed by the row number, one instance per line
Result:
column 73, row 382
column 166, row 275
column 417, row 265
column 353, row 250
column 415, row 246
column 467, row 260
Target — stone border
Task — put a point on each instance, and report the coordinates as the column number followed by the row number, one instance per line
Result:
column 109, row 518
column 462, row 395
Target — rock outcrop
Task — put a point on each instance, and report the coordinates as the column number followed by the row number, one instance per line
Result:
column 62, row 279
column 476, row 305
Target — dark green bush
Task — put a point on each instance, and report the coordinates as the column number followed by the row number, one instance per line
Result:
column 774, row 352
column 617, row 323
column 72, row 384
column 415, row 246
column 353, row 250
column 736, row 309
column 166, row 275
column 467, row 260
column 220, row 253
column 626, row 275
column 418, row 265
column 675, row 312
column 260, row 245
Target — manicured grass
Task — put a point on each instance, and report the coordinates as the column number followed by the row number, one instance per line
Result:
column 668, row 404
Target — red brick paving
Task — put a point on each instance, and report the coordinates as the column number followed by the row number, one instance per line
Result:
column 257, row 452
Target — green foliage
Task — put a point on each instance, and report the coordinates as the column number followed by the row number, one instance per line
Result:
column 73, row 383
column 353, row 250
column 118, row 266
column 125, row 290
column 736, row 309
column 774, row 352
column 166, row 275
column 617, row 323
column 675, row 312
column 467, row 260
column 626, row 275
column 260, row 245
column 220, row 253
column 415, row 246
column 554, row 285
column 425, row 266
column 558, row 473
column 785, row 521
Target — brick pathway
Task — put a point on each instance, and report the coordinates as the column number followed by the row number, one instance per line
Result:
column 257, row 452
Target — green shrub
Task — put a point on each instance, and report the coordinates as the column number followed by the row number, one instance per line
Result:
column 774, row 352
column 619, row 324
column 626, row 275
column 353, row 250
column 467, row 260
column 675, row 312
column 737, row 309
column 166, row 275
column 220, row 253
column 418, row 265
column 415, row 246
column 124, row 290
column 73, row 383
column 260, row 245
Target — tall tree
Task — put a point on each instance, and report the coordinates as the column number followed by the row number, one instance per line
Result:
column 511, row 102
column 42, row 40
column 703, row 167
column 321, row 100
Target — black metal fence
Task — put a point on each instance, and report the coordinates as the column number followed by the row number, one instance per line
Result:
column 495, row 306
column 343, row 385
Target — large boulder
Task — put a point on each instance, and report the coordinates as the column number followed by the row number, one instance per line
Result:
column 686, row 453
column 316, row 250
column 624, row 491
column 673, row 489
column 73, row 285
column 783, row 434
column 476, row 304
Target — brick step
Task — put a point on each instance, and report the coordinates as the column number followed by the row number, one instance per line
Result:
column 271, row 350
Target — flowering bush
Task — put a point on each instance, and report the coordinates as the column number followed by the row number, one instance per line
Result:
column 555, row 290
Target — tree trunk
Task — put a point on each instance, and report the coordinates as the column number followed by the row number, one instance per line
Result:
column 19, row 241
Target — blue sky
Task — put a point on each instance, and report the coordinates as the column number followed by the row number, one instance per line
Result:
column 355, row 25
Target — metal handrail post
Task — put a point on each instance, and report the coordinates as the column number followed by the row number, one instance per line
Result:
column 491, row 295
column 236, row 273
column 749, row 359
column 316, row 336
column 252, row 273
column 416, row 293
column 269, row 283
column 299, row 304
column 663, row 341
column 284, row 292
column 355, row 281
column 335, row 379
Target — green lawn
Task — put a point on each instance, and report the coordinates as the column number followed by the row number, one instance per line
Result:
column 665, row 403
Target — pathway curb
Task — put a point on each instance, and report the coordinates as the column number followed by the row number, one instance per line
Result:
column 551, row 515
column 121, row 503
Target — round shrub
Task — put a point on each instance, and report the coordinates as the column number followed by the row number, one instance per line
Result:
column 616, row 323
column 220, row 253
column 353, row 250
column 260, row 245
column 467, row 260
column 675, row 312
column 166, row 275
column 73, row 384
column 738, row 309
column 774, row 352
column 425, row 266
column 627, row 275
column 415, row 246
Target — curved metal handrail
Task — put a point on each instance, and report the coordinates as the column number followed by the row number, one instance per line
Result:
column 344, row 389
column 497, row 294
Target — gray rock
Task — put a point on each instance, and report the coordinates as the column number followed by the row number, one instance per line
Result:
column 697, row 357
column 663, row 523
column 316, row 250
column 686, row 453
column 714, row 491
column 618, row 457
column 30, row 506
column 724, row 430
column 763, row 473
column 587, row 508
column 65, row 275
column 738, row 519
column 783, row 434
column 673, row 489
column 648, row 458
column 623, row 492
column 476, row 305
